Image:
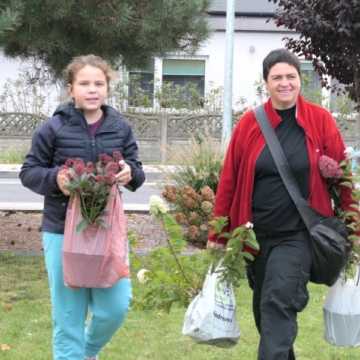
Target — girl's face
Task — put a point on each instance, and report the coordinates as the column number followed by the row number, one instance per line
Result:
column 283, row 84
column 89, row 89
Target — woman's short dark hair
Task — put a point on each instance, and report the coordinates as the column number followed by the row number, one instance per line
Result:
column 280, row 56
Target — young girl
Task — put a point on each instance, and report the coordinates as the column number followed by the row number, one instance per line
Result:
column 83, row 128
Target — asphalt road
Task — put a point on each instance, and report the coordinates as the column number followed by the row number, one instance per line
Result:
column 14, row 196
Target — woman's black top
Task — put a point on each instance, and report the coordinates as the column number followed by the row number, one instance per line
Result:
column 273, row 209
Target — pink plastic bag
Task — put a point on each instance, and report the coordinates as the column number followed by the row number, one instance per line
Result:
column 96, row 257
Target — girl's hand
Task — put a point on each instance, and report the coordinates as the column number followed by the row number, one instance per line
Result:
column 62, row 180
column 124, row 176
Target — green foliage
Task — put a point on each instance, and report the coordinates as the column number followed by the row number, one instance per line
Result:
column 310, row 93
column 234, row 256
column 192, row 209
column 329, row 33
column 127, row 30
column 169, row 96
column 171, row 277
column 176, row 96
column 31, row 92
column 25, row 324
column 13, row 155
column 9, row 17
column 350, row 216
column 199, row 164
column 260, row 89
column 194, row 182
column 343, row 107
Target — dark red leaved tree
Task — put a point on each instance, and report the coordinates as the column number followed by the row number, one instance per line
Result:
column 329, row 37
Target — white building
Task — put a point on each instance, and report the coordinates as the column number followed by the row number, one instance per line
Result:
column 255, row 35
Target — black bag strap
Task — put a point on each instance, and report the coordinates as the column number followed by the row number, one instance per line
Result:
column 308, row 215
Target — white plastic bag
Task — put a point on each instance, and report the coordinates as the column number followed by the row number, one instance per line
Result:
column 211, row 316
column 342, row 312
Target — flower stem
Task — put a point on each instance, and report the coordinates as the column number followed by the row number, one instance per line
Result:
column 178, row 263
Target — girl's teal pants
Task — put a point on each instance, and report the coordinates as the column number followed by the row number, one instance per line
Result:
column 107, row 308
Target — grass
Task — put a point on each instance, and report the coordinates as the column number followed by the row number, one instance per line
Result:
column 13, row 155
column 25, row 324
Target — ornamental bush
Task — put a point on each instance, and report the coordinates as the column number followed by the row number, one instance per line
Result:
column 169, row 275
column 191, row 187
column 192, row 210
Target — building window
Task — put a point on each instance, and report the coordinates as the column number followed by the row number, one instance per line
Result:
column 310, row 83
column 141, row 86
column 185, row 81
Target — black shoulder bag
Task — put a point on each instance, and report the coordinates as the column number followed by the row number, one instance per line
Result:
column 328, row 234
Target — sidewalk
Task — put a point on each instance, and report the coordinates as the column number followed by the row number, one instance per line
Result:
column 14, row 169
column 11, row 171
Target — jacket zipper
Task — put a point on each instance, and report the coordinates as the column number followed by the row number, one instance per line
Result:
column 93, row 148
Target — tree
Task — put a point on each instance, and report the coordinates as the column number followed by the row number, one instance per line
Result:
column 329, row 37
column 8, row 19
column 130, row 30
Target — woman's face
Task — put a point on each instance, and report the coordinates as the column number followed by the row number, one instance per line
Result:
column 283, row 85
column 89, row 89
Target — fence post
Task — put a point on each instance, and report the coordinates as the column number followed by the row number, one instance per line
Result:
column 163, row 136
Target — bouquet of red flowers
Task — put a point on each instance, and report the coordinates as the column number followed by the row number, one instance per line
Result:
column 333, row 172
column 338, row 177
column 92, row 183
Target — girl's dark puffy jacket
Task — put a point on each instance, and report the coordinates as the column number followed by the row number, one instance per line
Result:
column 65, row 135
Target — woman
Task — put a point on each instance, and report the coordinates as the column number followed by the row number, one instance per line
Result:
column 83, row 128
column 250, row 189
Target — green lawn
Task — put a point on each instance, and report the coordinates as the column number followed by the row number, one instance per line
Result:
column 25, row 324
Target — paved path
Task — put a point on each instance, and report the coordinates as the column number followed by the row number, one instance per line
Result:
column 13, row 196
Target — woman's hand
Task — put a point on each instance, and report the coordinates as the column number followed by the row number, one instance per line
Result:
column 124, row 176
column 62, row 180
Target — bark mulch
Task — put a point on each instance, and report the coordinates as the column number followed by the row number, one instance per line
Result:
column 20, row 231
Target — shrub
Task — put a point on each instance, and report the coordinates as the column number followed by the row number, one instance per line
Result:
column 169, row 275
column 34, row 91
column 198, row 164
column 192, row 210
column 194, row 182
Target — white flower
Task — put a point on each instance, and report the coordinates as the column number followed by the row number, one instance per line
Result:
column 157, row 205
column 141, row 276
column 249, row 225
